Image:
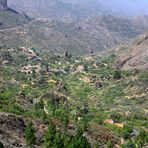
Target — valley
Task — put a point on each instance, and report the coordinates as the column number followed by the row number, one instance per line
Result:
column 71, row 79
column 79, row 88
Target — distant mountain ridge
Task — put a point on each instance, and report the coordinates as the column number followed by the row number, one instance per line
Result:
column 66, row 25
column 68, row 10
column 64, row 10
column 83, row 37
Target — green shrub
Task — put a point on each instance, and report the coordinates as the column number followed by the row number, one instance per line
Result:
column 127, row 132
column 142, row 138
column 50, row 135
column 144, row 77
column 117, row 74
column 30, row 135
column 129, row 144
column 110, row 144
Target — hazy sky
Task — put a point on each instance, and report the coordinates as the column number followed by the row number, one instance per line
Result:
column 128, row 6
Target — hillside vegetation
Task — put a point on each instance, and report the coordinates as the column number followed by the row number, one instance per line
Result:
column 85, row 97
column 68, row 84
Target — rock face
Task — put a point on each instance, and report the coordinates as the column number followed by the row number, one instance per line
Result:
column 134, row 57
column 11, row 130
column 3, row 5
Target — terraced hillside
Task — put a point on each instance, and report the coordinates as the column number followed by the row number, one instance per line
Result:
column 51, row 97
column 109, row 105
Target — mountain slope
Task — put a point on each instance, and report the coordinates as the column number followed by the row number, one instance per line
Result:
column 9, row 17
column 80, row 37
column 40, row 86
column 135, row 56
column 64, row 10
column 68, row 10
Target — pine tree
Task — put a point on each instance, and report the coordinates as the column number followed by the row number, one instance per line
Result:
column 66, row 122
column 44, row 116
column 142, row 138
column 1, row 145
column 84, row 123
column 129, row 144
column 79, row 140
column 50, row 135
column 67, row 139
column 110, row 144
column 96, row 145
column 30, row 135
column 58, row 141
column 117, row 74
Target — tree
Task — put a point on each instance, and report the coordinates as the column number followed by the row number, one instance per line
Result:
column 142, row 138
column 79, row 140
column 96, row 145
column 85, row 67
column 50, row 135
column 58, row 141
column 117, row 74
column 47, row 67
column 67, row 139
column 128, row 144
column 84, row 123
column 39, row 105
column 66, row 122
column 110, row 144
column 127, row 132
column 44, row 116
column 68, row 55
column 30, row 135
column 1, row 145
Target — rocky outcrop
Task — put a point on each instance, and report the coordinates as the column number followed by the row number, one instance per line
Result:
column 3, row 5
column 5, row 57
column 54, row 97
column 11, row 130
column 135, row 57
